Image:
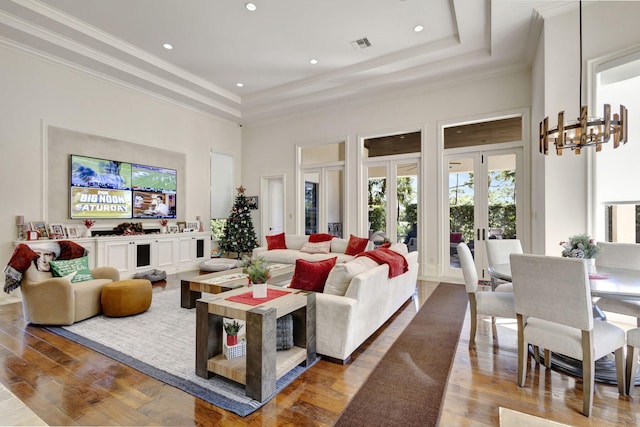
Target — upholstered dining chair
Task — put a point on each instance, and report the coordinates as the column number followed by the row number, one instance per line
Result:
column 554, row 311
column 633, row 351
column 498, row 251
column 619, row 255
column 495, row 304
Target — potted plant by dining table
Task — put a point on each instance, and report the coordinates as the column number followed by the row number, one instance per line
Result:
column 258, row 274
column 582, row 246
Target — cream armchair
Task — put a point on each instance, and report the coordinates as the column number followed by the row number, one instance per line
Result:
column 48, row 300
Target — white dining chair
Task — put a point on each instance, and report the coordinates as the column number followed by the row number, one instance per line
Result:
column 495, row 304
column 633, row 350
column 619, row 255
column 554, row 311
column 498, row 251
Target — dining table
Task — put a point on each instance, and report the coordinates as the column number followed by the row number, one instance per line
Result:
column 621, row 283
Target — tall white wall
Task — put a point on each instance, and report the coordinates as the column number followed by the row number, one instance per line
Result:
column 608, row 27
column 422, row 108
column 36, row 92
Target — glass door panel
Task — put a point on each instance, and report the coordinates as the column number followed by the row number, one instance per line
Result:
column 377, row 202
column 335, row 200
column 407, row 205
column 462, row 200
column 311, row 202
column 502, row 196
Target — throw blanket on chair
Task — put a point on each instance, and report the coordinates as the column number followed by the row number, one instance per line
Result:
column 397, row 262
column 23, row 256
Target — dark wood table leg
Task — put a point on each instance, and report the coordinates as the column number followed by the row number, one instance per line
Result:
column 304, row 328
column 261, row 353
column 208, row 338
column 187, row 297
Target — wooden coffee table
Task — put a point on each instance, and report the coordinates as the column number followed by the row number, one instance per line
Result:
column 263, row 365
column 222, row 281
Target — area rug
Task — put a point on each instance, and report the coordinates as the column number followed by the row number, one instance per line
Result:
column 407, row 386
column 161, row 343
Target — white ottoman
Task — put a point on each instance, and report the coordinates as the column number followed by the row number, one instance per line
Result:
column 218, row 264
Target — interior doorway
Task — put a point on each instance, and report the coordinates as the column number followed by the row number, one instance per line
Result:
column 273, row 210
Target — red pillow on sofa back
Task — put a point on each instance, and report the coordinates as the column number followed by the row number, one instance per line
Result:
column 312, row 275
column 320, row 237
column 276, row 242
column 356, row 245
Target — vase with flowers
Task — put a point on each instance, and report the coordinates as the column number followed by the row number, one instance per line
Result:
column 582, row 246
column 257, row 271
column 163, row 226
column 88, row 223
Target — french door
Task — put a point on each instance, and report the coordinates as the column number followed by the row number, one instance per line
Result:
column 483, row 200
column 393, row 208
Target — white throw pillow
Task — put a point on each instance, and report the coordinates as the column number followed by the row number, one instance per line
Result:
column 317, row 248
column 341, row 275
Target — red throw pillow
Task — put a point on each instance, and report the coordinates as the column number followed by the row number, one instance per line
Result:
column 312, row 275
column 276, row 242
column 356, row 245
column 320, row 237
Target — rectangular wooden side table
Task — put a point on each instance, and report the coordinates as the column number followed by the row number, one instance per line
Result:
column 222, row 281
column 263, row 365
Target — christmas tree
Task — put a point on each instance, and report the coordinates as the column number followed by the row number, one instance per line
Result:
column 239, row 235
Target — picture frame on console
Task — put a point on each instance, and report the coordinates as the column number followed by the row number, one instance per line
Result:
column 181, row 226
column 41, row 228
column 172, row 228
column 56, row 231
column 193, row 225
column 72, row 231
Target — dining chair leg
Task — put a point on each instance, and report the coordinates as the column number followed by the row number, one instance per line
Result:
column 522, row 353
column 474, row 321
column 632, row 367
column 536, row 354
column 588, row 370
column 620, row 370
column 547, row 358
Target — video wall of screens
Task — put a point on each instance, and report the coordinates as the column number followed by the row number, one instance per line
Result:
column 102, row 188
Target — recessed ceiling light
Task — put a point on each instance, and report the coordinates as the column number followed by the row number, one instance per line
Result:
column 251, row 7
column 313, row 61
column 418, row 28
column 167, row 46
column 240, row 84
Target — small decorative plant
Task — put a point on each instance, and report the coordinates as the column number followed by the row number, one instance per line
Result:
column 580, row 246
column 89, row 223
column 164, row 222
column 257, row 269
column 232, row 328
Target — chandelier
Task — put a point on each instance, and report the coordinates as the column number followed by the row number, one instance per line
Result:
column 585, row 131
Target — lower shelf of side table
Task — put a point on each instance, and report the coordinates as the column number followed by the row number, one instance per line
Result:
column 236, row 369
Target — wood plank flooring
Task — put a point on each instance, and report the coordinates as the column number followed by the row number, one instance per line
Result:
column 67, row 384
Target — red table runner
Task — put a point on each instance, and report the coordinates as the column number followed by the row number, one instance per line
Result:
column 247, row 297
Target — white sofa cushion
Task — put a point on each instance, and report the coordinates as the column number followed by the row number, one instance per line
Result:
column 295, row 241
column 316, row 248
column 341, row 275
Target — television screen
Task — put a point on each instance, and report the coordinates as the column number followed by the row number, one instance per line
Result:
column 151, row 178
column 101, row 188
column 153, row 204
column 100, row 173
column 100, row 203
column 154, row 191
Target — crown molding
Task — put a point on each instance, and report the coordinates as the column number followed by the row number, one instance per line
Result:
column 122, row 46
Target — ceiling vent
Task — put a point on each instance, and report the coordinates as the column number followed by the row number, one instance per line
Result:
column 362, row 43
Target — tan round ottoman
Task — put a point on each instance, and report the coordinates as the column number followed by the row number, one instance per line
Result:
column 126, row 297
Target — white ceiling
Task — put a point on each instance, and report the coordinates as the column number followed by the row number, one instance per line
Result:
column 218, row 43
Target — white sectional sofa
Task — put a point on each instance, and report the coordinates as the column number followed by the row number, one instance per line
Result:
column 294, row 243
column 348, row 313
